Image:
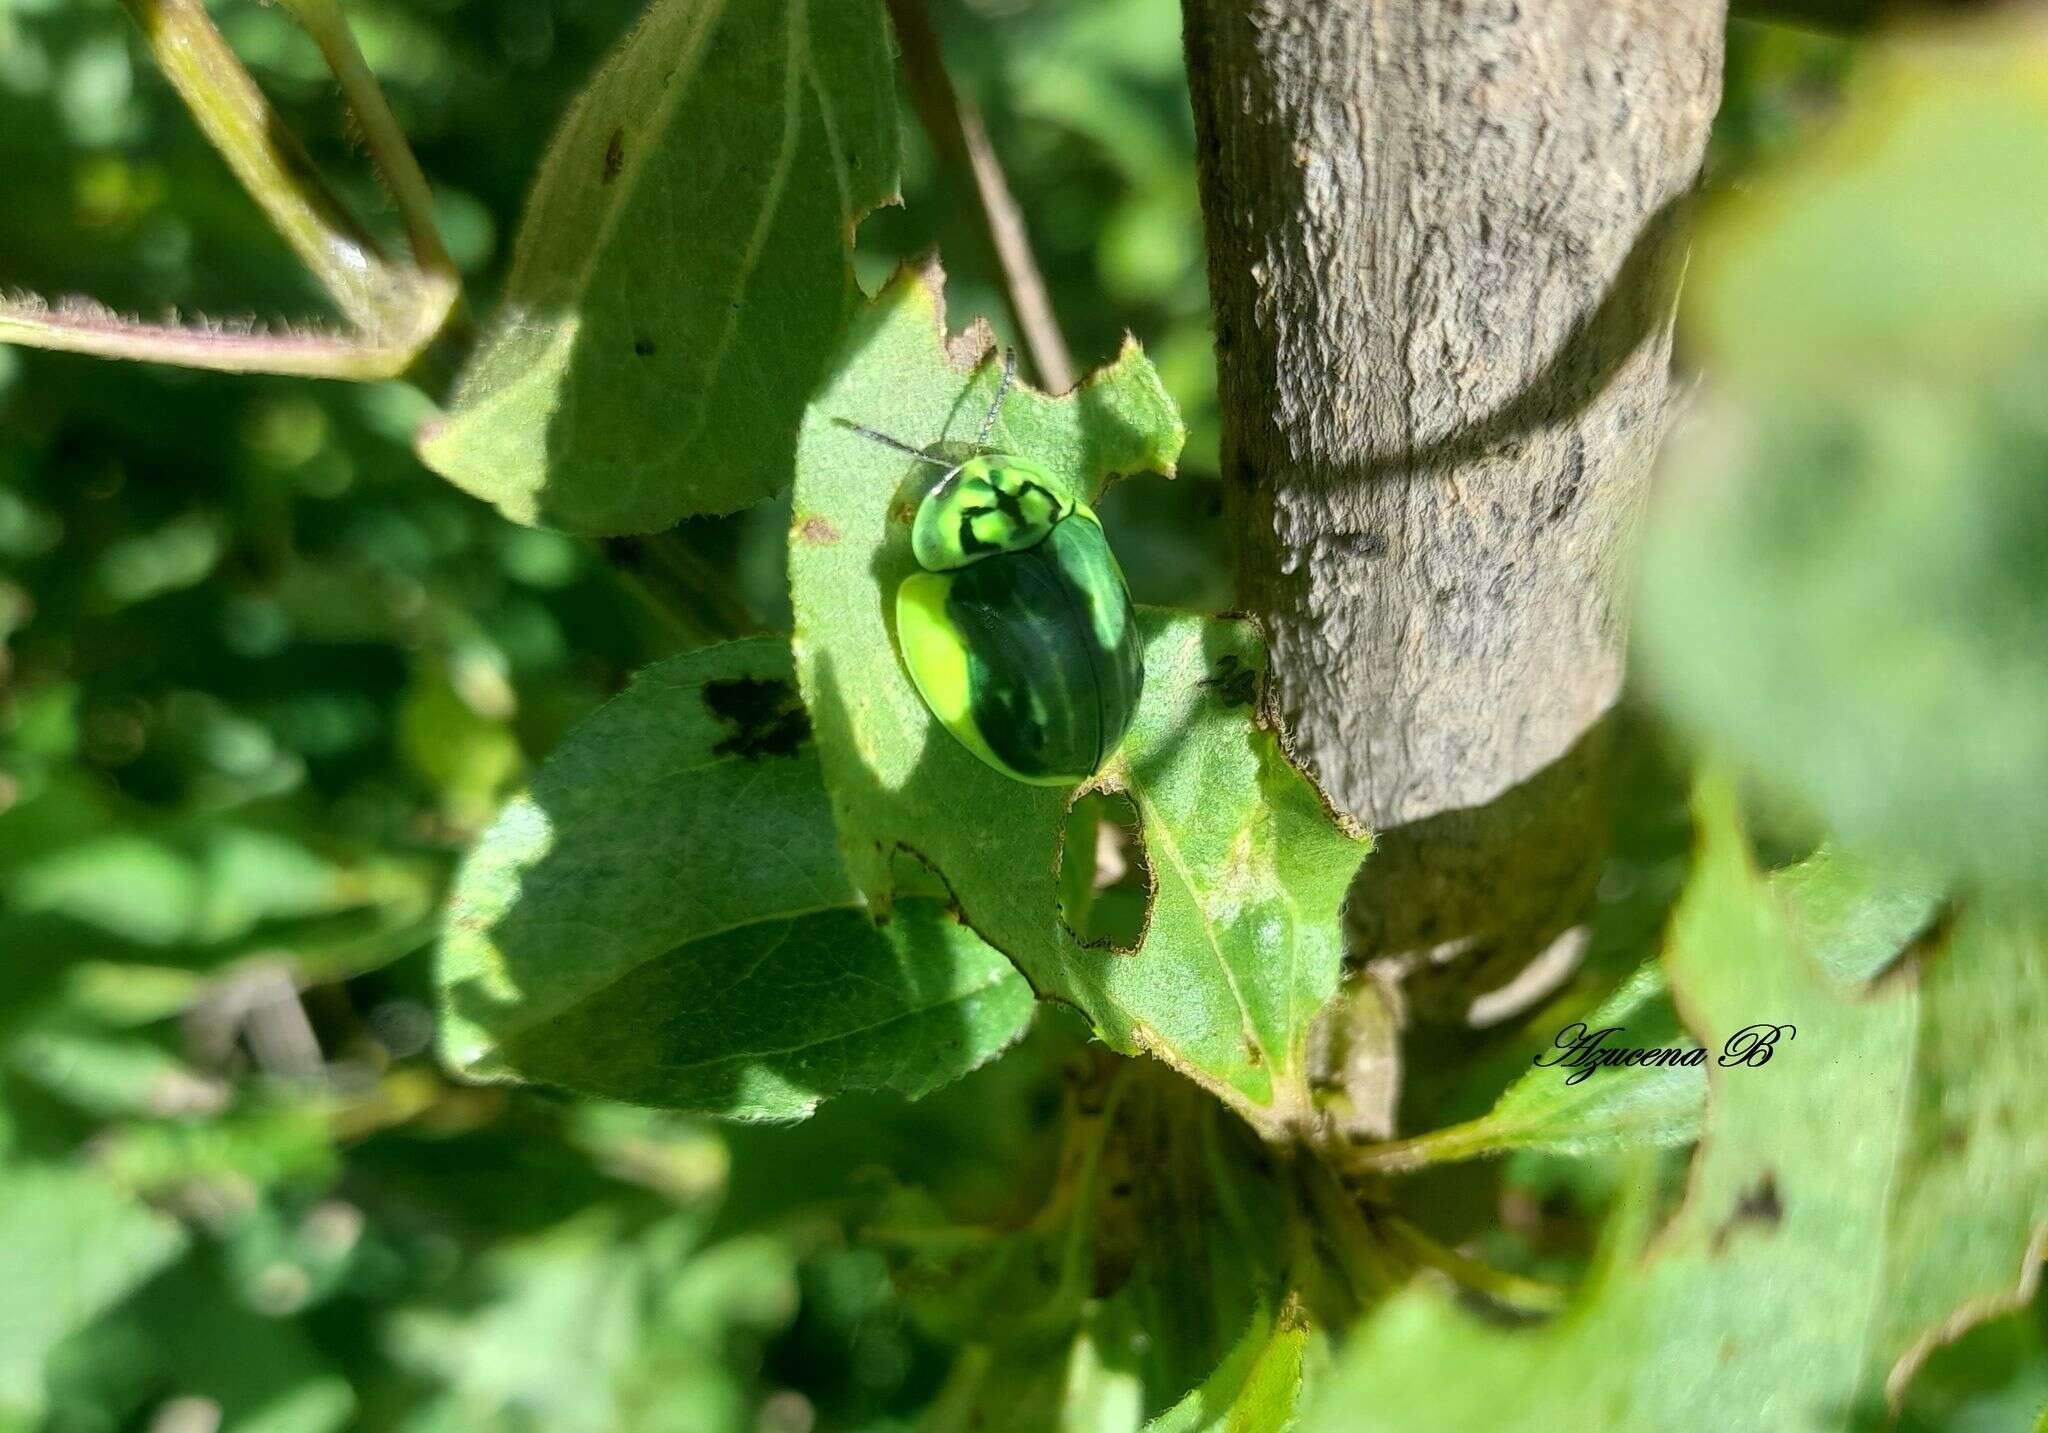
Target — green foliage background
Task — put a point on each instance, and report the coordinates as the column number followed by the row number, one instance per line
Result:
column 266, row 679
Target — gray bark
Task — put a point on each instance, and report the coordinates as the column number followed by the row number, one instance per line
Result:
column 1443, row 253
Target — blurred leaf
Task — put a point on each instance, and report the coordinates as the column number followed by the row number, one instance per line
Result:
column 269, row 1145
column 73, row 1244
column 1257, row 1389
column 466, row 756
column 1576, row 1109
column 683, row 270
column 1242, row 947
column 1882, row 1181
column 1853, row 917
column 1081, row 1382
column 1164, row 1233
column 1992, row 1378
column 179, row 554
column 1846, row 577
column 115, row 1075
column 188, row 1346
column 1101, row 1390
column 664, row 919
column 591, row 1325
column 1100, row 68
column 550, row 1324
column 88, row 876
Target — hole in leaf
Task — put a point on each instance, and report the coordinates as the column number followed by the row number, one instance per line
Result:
column 1236, row 684
column 766, row 715
column 1105, row 873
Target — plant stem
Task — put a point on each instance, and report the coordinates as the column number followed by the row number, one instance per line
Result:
column 266, row 157
column 1361, row 1250
column 1514, row 1290
column 673, row 578
column 1469, row 1140
column 395, row 308
column 389, row 150
column 1443, row 259
column 962, row 141
column 79, row 326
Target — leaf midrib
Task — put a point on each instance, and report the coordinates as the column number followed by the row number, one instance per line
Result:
column 1000, row 973
column 1155, row 822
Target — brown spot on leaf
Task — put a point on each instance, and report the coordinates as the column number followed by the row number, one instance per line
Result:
column 644, row 347
column 816, row 530
column 766, row 716
column 1759, row 1205
column 614, row 155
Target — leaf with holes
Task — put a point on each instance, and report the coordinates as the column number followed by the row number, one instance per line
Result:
column 1878, row 1184
column 664, row 919
column 683, row 271
column 1249, row 867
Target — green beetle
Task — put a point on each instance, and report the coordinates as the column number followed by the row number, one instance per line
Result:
column 1018, row 629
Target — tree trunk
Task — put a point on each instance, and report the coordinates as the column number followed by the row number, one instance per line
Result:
column 1443, row 250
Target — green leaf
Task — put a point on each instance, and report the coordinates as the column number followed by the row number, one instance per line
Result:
column 1576, row 1109
column 1167, row 1231
column 1846, row 573
column 111, row 1075
column 1257, row 1389
column 73, row 1244
column 683, row 271
column 1881, row 1182
column 664, row 919
column 1853, row 915
column 86, row 875
column 1102, row 1390
column 1242, row 946
column 594, row 1325
column 191, row 1332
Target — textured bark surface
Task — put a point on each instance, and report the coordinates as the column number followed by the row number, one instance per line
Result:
column 1443, row 253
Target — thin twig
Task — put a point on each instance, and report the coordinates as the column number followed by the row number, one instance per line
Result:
column 1515, row 1290
column 265, row 155
column 961, row 139
column 720, row 602
column 395, row 308
column 674, row 579
column 1362, row 1251
column 80, row 326
column 389, row 150
column 1470, row 1140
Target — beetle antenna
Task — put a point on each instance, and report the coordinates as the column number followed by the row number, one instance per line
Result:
column 888, row 442
column 995, row 406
